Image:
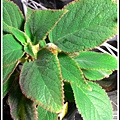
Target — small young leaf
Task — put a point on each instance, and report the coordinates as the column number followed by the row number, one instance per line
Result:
column 96, row 61
column 45, row 115
column 28, row 50
column 96, row 74
column 40, row 81
column 41, row 22
column 21, row 108
column 12, row 52
column 93, row 105
column 19, row 35
column 87, row 24
column 12, row 15
column 71, row 71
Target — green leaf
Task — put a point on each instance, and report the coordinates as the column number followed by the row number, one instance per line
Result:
column 41, row 22
column 8, row 69
column 5, row 28
column 93, row 105
column 40, row 80
column 87, row 24
column 21, row 108
column 23, row 39
column 12, row 52
column 19, row 35
column 45, row 115
column 32, row 50
column 29, row 12
column 96, row 74
column 71, row 71
column 12, row 15
column 7, row 85
column 28, row 49
column 42, row 43
column 96, row 61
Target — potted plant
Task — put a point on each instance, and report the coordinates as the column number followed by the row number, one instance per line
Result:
column 51, row 49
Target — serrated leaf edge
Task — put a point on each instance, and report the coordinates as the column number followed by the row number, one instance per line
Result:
column 65, row 11
column 17, row 62
column 26, row 36
column 96, row 68
column 99, row 78
column 77, row 105
column 44, row 37
column 33, row 105
column 82, row 74
column 16, row 6
column 41, row 104
column 114, row 29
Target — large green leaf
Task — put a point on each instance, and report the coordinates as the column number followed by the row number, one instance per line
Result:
column 87, row 24
column 12, row 52
column 96, row 61
column 71, row 71
column 39, row 24
column 96, row 74
column 45, row 115
column 93, row 105
column 12, row 15
column 21, row 108
column 40, row 80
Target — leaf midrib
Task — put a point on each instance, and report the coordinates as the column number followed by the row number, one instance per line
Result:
column 84, row 27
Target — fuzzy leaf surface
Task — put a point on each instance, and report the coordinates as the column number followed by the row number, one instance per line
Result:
column 8, row 70
column 12, row 15
column 28, row 50
column 87, row 24
column 19, row 35
column 40, row 81
column 12, row 52
column 21, row 107
column 93, row 105
column 45, row 115
column 71, row 71
column 7, row 85
column 96, row 74
column 41, row 22
column 29, row 12
column 96, row 61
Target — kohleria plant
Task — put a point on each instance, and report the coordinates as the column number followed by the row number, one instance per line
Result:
column 53, row 48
